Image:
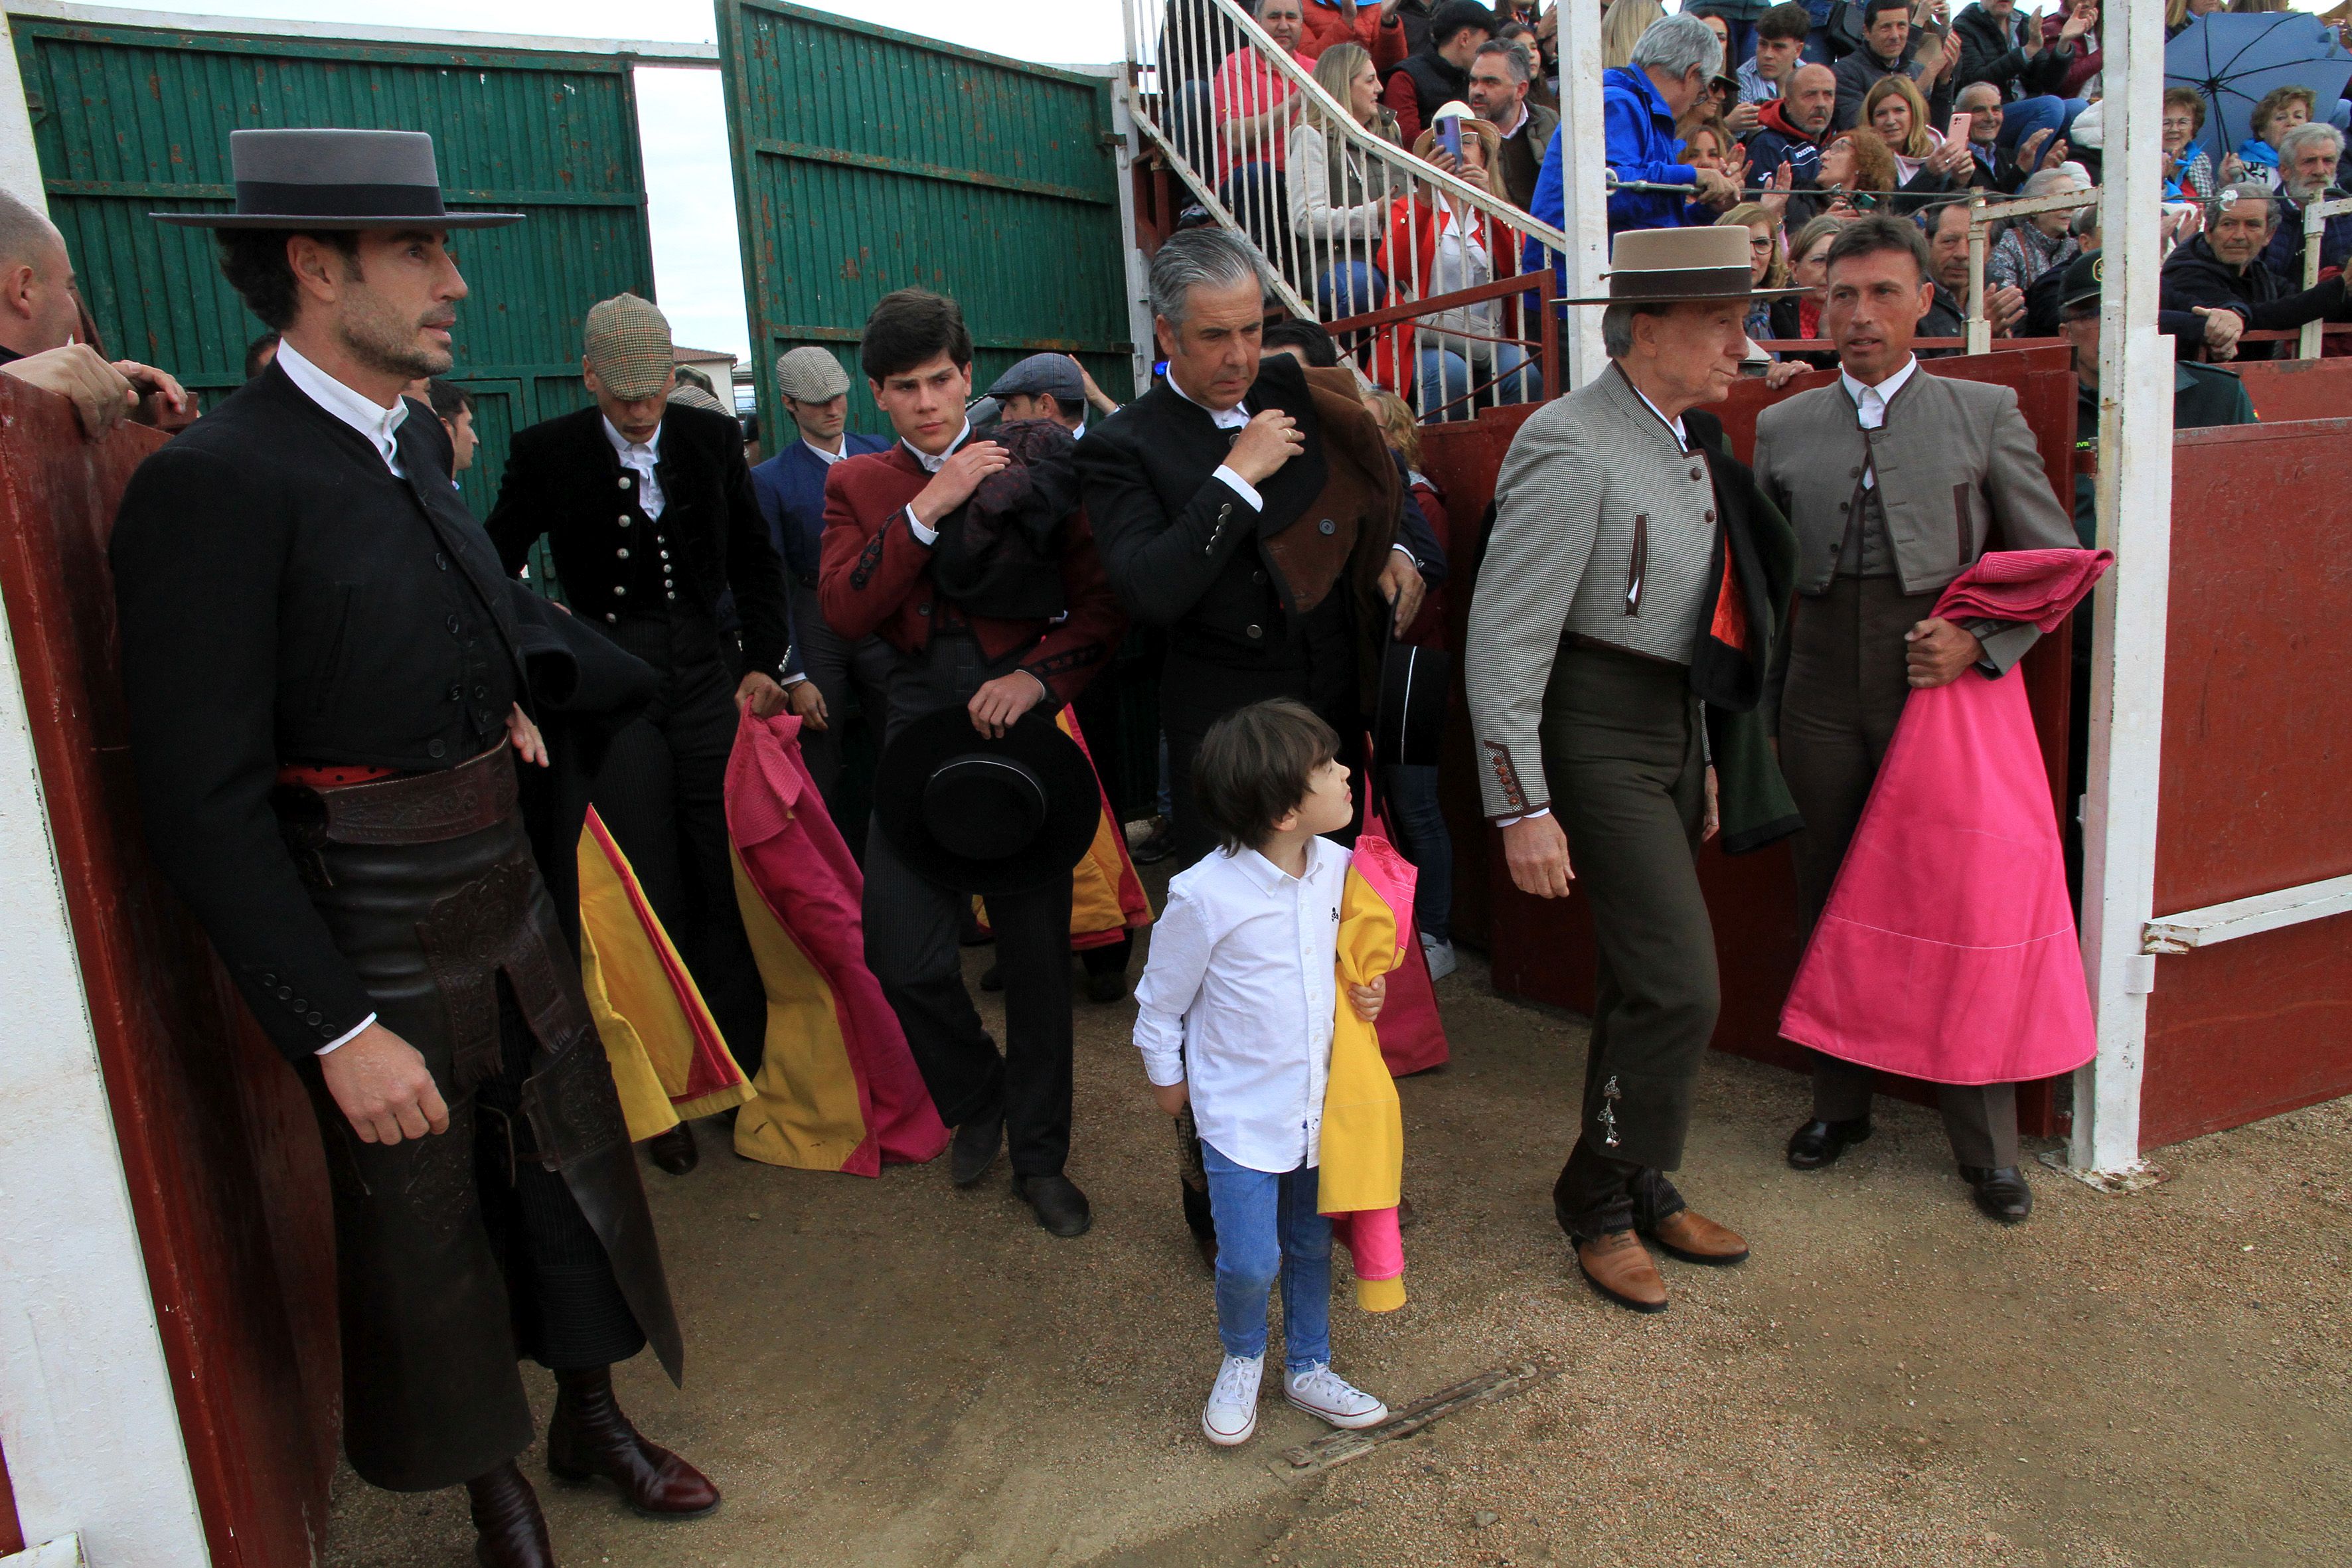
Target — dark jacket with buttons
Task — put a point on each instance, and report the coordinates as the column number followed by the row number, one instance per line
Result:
column 564, row 481
column 1234, row 585
column 284, row 598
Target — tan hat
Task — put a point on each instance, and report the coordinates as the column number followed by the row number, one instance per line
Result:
column 1647, row 265
column 810, row 374
column 628, row 346
column 693, row 396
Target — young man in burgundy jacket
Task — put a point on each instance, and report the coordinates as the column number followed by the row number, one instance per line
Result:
column 883, row 516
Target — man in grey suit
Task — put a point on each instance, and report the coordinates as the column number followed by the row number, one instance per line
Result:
column 1896, row 481
column 1623, row 608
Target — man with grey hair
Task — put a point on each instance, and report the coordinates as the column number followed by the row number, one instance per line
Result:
column 2309, row 156
column 40, row 315
column 825, row 667
column 2219, row 273
column 1249, row 506
column 1620, row 635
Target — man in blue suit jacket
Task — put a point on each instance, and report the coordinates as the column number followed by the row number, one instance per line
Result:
column 1672, row 63
column 791, row 490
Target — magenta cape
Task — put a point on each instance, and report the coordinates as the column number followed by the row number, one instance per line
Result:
column 1412, row 1036
column 837, row 1089
column 1947, row 951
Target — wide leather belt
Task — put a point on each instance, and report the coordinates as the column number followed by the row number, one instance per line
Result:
column 419, row 808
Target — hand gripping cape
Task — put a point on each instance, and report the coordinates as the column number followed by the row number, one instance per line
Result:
column 1947, row 951
column 1362, row 1158
column 837, row 1090
column 668, row 1059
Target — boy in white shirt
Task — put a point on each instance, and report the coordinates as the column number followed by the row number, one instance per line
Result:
column 1239, row 990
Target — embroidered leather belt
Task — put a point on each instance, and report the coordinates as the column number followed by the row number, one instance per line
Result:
column 417, row 808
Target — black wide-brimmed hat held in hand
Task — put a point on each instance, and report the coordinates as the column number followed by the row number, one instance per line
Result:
column 983, row 816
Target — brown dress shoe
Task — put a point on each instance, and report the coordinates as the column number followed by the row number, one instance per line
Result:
column 1618, row 1266
column 1697, row 1239
column 509, row 1531
column 590, row 1437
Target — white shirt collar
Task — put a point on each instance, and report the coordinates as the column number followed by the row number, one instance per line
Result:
column 830, row 457
column 1233, row 418
column 359, row 411
column 1885, row 390
column 628, row 449
column 1674, row 425
column 932, row 465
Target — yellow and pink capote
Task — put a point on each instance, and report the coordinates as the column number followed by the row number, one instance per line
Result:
column 1363, row 1157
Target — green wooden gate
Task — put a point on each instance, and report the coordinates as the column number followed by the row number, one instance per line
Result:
column 130, row 120
column 868, row 159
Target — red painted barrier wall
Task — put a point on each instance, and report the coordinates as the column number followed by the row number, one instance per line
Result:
column 1541, row 950
column 218, row 1146
column 2257, row 786
column 2298, row 388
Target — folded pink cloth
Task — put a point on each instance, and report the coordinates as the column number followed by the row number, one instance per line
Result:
column 1947, row 951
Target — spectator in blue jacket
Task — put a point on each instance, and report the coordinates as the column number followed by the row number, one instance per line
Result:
column 791, row 490
column 1639, row 102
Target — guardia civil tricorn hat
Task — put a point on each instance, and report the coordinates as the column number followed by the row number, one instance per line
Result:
column 335, row 180
column 1664, row 265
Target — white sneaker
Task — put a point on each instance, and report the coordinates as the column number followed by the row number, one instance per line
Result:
column 1319, row 1391
column 1440, row 954
column 1232, row 1414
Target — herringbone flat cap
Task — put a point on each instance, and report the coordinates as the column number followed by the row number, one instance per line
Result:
column 810, row 374
column 628, row 346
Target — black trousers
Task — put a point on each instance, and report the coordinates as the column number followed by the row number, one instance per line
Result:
column 1623, row 750
column 840, row 668
column 1846, row 686
column 911, row 925
column 663, row 794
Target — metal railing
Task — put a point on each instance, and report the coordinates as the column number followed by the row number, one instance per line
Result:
column 1352, row 227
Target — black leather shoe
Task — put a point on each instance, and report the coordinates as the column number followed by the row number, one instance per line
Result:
column 674, row 1149
column 1061, row 1207
column 1819, row 1144
column 1106, row 987
column 1154, row 850
column 976, row 1143
column 2000, row 1192
column 992, row 978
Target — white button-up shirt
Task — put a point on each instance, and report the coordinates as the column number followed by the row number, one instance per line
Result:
column 639, row 458
column 1238, row 998
column 356, row 409
column 1870, row 406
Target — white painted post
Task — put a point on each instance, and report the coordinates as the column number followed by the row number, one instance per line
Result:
column 2135, row 521
column 1584, row 214
column 1144, row 350
column 20, row 166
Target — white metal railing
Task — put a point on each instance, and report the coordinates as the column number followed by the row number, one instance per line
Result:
column 2314, row 230
column 1981, row 215
column 1228, row 108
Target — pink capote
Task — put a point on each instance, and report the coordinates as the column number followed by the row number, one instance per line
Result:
column 1412, row 1036
column 1947, row 951
column 798, row 865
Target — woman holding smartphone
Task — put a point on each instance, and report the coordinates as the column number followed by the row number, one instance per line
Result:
column 1925, row 165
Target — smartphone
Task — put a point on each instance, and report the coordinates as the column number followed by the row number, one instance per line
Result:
column 1960, row 122
column 1449, row 135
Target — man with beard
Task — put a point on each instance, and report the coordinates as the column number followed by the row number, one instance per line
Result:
column 329, row 683
column 2308, row 159
column 649, row 514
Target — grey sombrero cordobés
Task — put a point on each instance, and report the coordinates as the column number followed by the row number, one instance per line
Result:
column 1649, row 265
column 334, row 180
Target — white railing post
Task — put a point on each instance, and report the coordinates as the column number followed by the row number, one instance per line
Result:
column 2315, row 214
column 1584, row 189
column 2135, row 521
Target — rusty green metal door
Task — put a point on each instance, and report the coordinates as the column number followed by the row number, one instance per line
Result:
column 130, row 120
column 868, row 159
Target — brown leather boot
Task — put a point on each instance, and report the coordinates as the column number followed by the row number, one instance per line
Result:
column 509, row 1529
column 1697, row 1239
column 1618, row 1266
column 590, row 1437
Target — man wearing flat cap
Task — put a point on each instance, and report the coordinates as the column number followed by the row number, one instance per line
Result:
column 1619, row 638
column 1046, row 387
column 791, row 490
column 648, row 509
column 330, row 685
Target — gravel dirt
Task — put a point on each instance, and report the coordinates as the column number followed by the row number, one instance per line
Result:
column 893, row 1371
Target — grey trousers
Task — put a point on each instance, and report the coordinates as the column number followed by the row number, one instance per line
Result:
column 1846, row 687
column 1623, row 753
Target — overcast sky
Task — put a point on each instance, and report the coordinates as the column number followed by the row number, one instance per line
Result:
column 698, row 264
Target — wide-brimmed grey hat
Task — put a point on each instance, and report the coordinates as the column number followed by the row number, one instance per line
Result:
column 1654, row 265
column 1040, row 373
column 335, row 180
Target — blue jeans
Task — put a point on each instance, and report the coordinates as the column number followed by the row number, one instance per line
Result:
column 1258, row 199
column 1420, row 827
column 1446, row 379
column 1350, row 288
column 1266, row 1226
column 2028, row 115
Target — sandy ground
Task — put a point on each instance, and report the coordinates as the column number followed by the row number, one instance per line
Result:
column 893, row 1371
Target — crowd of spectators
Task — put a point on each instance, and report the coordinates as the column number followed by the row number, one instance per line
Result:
column 1788, row 120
